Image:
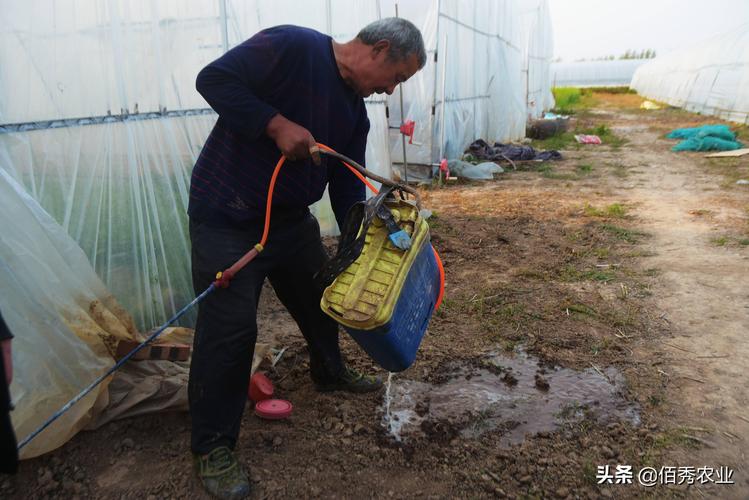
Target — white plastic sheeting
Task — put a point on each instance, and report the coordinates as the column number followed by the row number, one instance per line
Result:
column 64, row 320
column 101, row 123
column 491, row 74
column 711, row 78
column 595, row 73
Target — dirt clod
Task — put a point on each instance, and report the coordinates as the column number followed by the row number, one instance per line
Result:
column 541, row 383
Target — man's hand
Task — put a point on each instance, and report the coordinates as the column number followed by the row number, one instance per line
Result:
column 294, row 141
column 7, row 359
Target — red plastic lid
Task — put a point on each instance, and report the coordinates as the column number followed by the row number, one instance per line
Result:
column 273, row 409
column 261, row 387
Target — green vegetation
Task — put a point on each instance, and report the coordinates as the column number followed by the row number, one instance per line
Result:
column 566, row 97
column 565, row 140
column 726, row 240
column 548, row 170
column 615, row 210
column 583, row 309
column 607, row 90
column 680, row 436
column 569, row 100
column 624, row 234
column 570, row 273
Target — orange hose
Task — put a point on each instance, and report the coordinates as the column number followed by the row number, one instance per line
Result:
column 269, row 201
column 441, row 295
column 222, row 279
column 356, row 172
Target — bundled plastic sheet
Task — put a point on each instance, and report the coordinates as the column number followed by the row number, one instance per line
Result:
column 65, row 322
column 711, row 78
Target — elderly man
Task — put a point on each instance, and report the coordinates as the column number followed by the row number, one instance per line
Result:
column 277, row 93
column 8, row 451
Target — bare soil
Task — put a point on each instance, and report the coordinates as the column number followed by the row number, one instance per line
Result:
column 628, row 257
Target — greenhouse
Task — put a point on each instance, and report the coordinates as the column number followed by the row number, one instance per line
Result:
column 101, row 125
column 711, row 78
column 377, row 249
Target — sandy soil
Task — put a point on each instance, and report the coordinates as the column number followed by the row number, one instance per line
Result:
column 623, row 267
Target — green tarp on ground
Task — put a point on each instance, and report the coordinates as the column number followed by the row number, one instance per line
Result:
column 714, row 137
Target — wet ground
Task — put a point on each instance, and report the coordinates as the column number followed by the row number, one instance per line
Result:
column 517, row 395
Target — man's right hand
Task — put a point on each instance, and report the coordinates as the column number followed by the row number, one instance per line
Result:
column 294, row 141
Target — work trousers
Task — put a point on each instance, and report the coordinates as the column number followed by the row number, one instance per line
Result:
column 226, row 328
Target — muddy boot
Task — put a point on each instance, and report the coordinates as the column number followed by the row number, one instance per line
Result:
column 350, row 381
column 222, row 476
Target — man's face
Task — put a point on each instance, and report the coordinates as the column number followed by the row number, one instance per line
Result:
column 380, row 74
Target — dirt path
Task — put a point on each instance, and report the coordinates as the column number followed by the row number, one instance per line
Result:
column 703, row 295
column 595, row 315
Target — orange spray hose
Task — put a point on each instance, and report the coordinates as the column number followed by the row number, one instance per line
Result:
column 223, row 278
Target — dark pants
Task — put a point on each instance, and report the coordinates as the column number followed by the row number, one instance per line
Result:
column 8, row 450
column 226, row 329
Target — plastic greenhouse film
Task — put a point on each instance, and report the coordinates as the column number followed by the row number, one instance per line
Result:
column 64, row 320
column 108, row 153
column 710, row 77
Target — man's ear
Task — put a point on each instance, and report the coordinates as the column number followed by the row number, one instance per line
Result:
column 380, row 46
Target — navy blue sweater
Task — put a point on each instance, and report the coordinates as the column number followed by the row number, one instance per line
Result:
column 292, row 71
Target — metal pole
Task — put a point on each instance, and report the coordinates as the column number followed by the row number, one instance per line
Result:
column 433, row 114
column 329, row 17
column 224, row 26
column 442, row 111
column 403, row 137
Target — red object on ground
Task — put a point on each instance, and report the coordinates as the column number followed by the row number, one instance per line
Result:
column 273, row 409
column 261, row 388
column 588, row 139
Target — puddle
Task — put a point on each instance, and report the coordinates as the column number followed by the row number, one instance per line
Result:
column 514, row 395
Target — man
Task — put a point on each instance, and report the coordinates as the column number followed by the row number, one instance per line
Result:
column 277, row 93
column 8, row 450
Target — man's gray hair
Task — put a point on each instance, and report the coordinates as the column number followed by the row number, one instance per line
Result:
column 405, row 38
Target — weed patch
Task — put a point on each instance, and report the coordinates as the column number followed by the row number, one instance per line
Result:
column 615, row 210
column 571, row 273
column 629, row 235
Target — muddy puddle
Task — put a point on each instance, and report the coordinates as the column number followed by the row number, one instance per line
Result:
column 515, row 395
